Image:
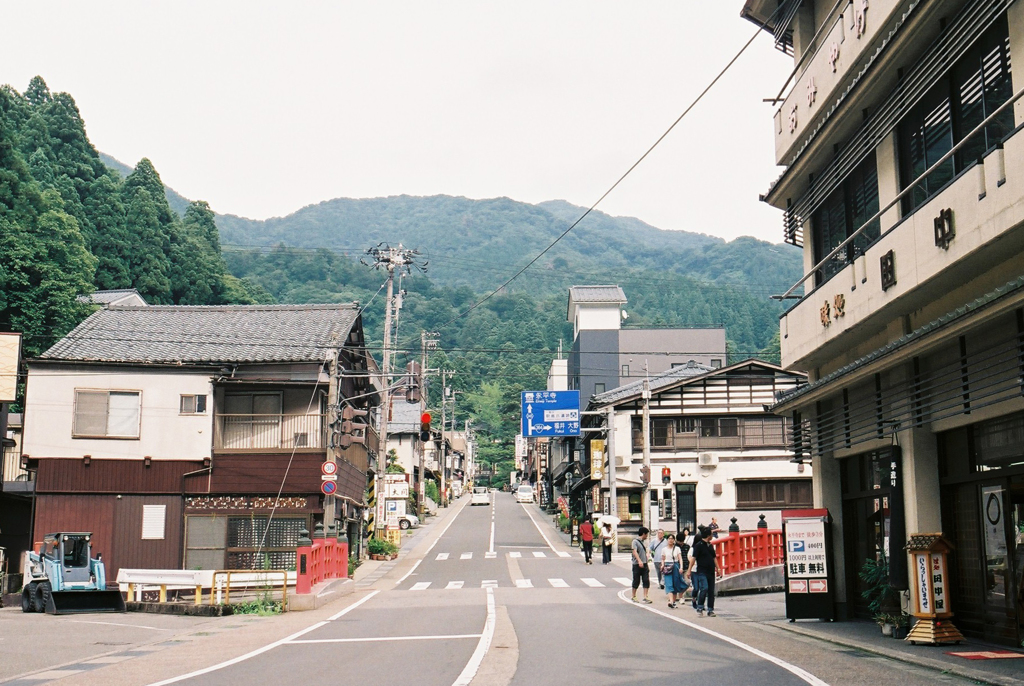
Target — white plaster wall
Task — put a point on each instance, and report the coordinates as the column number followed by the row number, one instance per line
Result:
column 164, row 434
column 597, row 317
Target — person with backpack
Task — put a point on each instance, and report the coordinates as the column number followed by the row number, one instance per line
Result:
column 657, row 546
column 671, row 571
column 704, row 568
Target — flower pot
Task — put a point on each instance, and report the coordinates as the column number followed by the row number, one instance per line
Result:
column 886, row 629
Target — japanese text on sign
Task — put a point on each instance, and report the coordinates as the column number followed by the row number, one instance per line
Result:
column 805, row 548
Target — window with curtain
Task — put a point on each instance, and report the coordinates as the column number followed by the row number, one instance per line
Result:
column 971, row 91
column 107, row 414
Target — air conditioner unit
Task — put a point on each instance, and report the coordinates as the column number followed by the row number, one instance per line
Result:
column 707, row 459
column 620, row 460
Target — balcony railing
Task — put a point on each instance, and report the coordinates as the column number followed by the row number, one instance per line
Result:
column 13, row 470
column 269, row 432
column 749, row 433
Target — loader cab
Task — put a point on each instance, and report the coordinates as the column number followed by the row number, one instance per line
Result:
column 71, row 552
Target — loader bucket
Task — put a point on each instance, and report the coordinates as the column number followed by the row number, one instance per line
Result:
column 76, row 602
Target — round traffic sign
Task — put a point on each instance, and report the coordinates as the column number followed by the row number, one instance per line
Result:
column 329, row 467
column 329, row 487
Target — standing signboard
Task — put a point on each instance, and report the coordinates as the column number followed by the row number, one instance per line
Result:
column 807, row 535
column 550, row 413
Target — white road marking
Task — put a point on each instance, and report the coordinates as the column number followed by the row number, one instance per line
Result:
column 539, row 554
column 386, row 638
column 490, row 555
column 455, row 584
column 593, row 583
column 793, row 669
column 558, row 583
column 540, row 530
column 132, row 626
column 515, row 554
column 444, row 530
column 466, row 556
column 562, row 553
column 420, row 586
column 623, row 580
column 409, row 573
column 269, row 646
column 481, row 648
column 441, row 556
column 491, row 548
column 489, row 583
column 524, row 583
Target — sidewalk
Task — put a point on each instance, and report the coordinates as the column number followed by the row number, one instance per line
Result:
column 769, row 610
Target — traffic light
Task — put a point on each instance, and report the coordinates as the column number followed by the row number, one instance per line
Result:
column 645, row 474
column 666, row 475
column 350, row 424
column 412, row 386
column 425, row 426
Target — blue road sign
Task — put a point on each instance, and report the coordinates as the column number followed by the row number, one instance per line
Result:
column 551, row 413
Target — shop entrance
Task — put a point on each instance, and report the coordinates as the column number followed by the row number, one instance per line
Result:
column 865, row 522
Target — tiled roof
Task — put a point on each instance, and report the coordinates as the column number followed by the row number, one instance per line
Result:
column 107, row 297
column 205, row 334
column 657, row 382
column 597, row 294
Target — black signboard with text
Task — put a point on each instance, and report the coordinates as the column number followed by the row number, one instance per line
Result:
column 807, row 539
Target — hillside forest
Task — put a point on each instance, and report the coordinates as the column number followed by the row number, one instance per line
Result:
column 73, row 221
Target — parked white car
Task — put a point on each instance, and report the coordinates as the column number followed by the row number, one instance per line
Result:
column 524, row 494
column 408, row 521
column 481, row 496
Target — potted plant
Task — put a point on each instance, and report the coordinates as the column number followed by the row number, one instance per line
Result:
column 377, row 547
column 883, row 599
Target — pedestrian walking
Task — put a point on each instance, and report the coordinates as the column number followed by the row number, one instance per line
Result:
column 587, row 541
column 641, row 572
column 607, row 537
column 671, row 568
column 656, row 548
column 704, row 569
column 713, row 527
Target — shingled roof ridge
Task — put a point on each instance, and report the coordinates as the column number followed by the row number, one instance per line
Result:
column 235, row 308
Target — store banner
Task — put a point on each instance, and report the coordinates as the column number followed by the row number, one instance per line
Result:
column 597, row 459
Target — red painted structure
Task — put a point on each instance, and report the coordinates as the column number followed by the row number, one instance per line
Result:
column 738, row 552
column 321, row 560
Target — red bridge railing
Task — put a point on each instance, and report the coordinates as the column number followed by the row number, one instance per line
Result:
column 319, row 559
column 738, row 552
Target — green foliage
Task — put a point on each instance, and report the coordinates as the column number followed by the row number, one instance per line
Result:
column 430, row 488
column 380, row 546
column 393, row 466
column 882, row 598
column 262, row 606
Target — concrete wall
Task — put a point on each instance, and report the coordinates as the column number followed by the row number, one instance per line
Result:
column 597, row 316
column 163, row 433
column 594, row 360
column 636, row 345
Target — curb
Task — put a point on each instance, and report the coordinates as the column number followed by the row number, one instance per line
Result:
column 920, row 661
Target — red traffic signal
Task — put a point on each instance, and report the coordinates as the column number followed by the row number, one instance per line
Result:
column 425, row 426
column 666, row 475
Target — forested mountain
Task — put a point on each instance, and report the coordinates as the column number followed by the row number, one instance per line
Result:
column 69, row 225
column 462, row 237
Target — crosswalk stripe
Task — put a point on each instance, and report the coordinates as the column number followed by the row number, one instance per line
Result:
column 539, row 554
column 562, row 553
column 524, row 583
column 455, row 584
column 441, row 556
column 593, row 583
column 558, row 583
column 490, row 555
column 466, row 556
column 623, row 580
column 489, row 583
column 515, row 554
column 420, row 586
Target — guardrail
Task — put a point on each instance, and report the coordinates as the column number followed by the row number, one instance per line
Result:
column 269, row 431
column 135, row 582
column 739, row 552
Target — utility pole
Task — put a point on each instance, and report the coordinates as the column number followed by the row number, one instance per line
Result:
column 401, row 260
column 646, row 500
column 444, row 438
column 428, row 341
column 334, row 406
column 613, row 506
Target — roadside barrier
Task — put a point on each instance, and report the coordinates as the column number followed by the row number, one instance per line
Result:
column 321, row 558
column 215, row 584
column 739, row 552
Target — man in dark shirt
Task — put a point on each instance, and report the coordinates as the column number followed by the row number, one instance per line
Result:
column 704, row 568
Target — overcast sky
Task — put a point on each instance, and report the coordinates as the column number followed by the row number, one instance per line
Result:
column 261, row 108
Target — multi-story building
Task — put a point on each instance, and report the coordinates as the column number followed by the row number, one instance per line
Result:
column 900, row 137
column 605, row 355
column 193, row 437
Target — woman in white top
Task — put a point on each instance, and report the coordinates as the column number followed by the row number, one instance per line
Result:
column 671, row 566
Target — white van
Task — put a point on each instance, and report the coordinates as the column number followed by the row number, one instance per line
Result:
column 524, row 494
column 481, row 496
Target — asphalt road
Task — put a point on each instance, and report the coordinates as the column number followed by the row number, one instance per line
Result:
column 493, row 597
